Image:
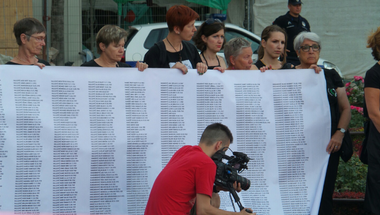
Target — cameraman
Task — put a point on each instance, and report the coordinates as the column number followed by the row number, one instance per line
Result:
column 190, row 175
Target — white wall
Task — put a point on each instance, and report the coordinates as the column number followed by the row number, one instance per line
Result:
column 343, row 26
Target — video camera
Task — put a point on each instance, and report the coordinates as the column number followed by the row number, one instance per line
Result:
column 227, row 173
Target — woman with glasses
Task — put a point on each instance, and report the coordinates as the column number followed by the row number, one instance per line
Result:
column 308, row 47
column 110, row 42
column 210, row 40
column 372, row 104
column 273, row 45
column 30, row 36
column 175, row 51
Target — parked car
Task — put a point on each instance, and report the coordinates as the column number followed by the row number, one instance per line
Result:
column 142, row 37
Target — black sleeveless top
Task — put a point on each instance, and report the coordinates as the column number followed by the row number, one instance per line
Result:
column 211, row 67
column 260, row 64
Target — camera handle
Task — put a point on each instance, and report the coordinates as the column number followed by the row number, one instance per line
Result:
column 237, row 199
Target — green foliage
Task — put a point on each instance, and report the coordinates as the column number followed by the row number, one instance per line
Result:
column 355, row 91
column 357, row 118
column 351, row 175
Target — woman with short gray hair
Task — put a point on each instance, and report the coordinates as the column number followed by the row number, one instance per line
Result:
column 308, row 46
column 238, row 54
column 30, row 36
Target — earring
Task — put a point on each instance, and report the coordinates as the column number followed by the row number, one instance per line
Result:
column 178, row 32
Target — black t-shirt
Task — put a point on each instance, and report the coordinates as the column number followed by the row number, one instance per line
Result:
column 92, row 63
column 39, row 61
column 372, row 79
column 293, row 26
column 333, row 81
column 158, row 53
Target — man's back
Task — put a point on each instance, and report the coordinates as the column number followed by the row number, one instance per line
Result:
column 190, row 171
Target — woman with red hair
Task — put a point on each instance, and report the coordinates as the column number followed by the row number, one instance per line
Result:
column 174, row 51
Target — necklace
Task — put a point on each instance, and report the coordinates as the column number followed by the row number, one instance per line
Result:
column 179, row 52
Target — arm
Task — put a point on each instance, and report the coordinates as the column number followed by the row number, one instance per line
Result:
column 205, row 208
column 345, row 117
column 372, row 101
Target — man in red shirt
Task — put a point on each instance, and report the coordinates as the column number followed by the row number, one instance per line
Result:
column 190, row 175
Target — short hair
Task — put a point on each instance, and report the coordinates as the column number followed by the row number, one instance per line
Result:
column 373, row 42
column 234, row 47
column 180, row 15
column 207, row 30
column 110, row 34
column 216, row 132
column 27, row 26
column 301, row 37
column 266, row 34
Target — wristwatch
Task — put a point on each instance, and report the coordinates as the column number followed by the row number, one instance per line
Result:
column 341, row 130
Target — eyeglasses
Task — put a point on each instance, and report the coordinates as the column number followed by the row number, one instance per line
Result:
column 306, row 48
column 210, row 21
column 39, row 39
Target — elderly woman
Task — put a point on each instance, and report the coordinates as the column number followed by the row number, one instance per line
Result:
column 372, row 101
column 210, row 40
column 308, row 47
column 174, row 51
column 110, row 42
column 238, row 54
column 30, row 36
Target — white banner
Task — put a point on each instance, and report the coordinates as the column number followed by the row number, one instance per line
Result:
column 77, row 140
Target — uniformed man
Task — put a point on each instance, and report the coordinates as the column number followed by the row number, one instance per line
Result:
column 293, row 23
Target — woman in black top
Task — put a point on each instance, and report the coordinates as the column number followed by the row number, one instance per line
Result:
column 308, row 47
column 273, row 43
column 210, row 40
column 174, row 51
column 372, row 101
column 110, row 42
column 30, row 36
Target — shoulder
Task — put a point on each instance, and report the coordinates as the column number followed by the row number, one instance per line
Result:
column 372, row 76
column 91, row 63
column 332, row 75
column 11, row 63
column 43, row 61
column 121, row 64
column 280, row 20
column 189, row 46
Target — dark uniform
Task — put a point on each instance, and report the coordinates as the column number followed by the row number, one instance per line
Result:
column 293, row 26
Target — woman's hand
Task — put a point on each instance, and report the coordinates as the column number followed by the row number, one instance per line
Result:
column 201, row 68
column 141, row 66
column 41, row 65
column 265, row 68
column 335, row 142
column 316, row 68
column 221, row 69
column 181, row 67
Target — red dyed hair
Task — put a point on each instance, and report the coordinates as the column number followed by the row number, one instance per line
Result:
column 180, row 15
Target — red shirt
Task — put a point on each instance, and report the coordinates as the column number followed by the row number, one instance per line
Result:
column 189, row 171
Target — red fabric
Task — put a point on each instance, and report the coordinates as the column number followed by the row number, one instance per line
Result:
column 189, row 171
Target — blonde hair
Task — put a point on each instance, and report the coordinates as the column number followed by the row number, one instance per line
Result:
column 373, row 42
column 110, row 34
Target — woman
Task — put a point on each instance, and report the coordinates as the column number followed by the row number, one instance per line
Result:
column 110, row 42
column 308, row 47
column 372, row 101
column 174, row 51
column 273, row 43
column 210, row 40
column 238, row 54
column 30, row 36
